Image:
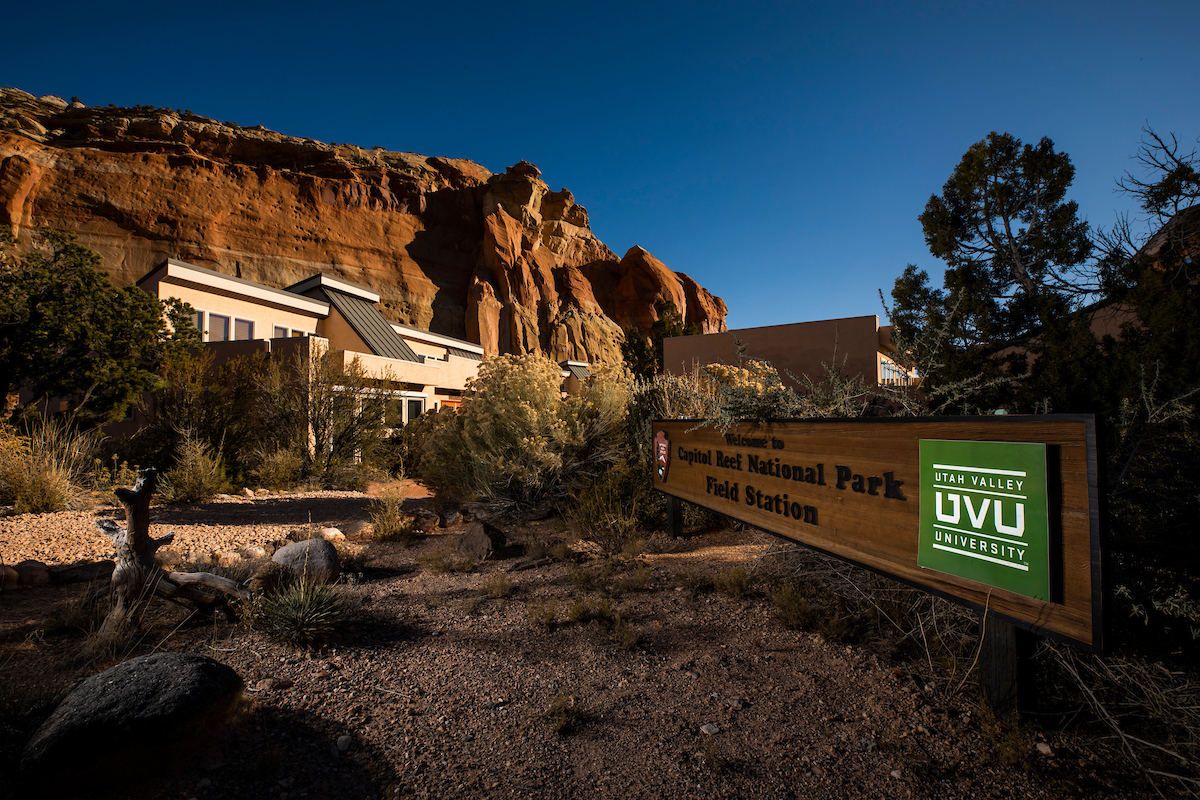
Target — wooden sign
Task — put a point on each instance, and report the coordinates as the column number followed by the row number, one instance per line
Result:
column 994, row 512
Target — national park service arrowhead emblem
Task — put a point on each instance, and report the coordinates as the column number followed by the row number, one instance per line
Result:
column 662, row 455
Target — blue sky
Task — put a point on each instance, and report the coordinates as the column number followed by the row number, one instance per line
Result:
column 779, row 153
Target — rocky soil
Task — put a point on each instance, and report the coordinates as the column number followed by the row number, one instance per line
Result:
column 480, row 684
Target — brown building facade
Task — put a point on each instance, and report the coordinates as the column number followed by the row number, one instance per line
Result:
column 860, row 345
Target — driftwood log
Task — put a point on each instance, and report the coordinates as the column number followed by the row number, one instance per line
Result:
column 138, row 577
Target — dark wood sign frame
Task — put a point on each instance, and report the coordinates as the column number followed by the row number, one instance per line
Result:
column 852, row 489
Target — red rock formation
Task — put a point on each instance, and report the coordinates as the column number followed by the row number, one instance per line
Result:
column 449, row 246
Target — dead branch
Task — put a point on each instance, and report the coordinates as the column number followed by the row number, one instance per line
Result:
column 138, row 577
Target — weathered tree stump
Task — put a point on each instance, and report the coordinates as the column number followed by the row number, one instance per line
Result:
column 137, row 577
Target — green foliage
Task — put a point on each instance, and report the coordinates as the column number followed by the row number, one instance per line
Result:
column 1008, row 331
column 344, row 411
column 198, row 474
column 279, row 469
column 301, row 614
column 643, row 355
column 68, row 332
column 516, row 444
column 265, row 415
column 1015, row 253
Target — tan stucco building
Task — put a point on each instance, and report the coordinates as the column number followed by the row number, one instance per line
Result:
column 799, row 348
column 321, row 314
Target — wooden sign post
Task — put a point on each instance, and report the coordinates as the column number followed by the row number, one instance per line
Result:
column 998, row 513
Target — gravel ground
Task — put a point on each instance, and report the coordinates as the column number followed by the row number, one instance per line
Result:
column 436, row 688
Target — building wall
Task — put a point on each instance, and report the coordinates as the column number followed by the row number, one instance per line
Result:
column 800, row 348
column 265, row 317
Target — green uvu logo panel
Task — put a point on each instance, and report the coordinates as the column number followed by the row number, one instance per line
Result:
column 984, row 514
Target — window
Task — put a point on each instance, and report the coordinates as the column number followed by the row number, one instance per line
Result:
column 198, row 321
column 243, row 329
column 298, row 334
column 280, row 333
column 218, row 328
column 415, row 407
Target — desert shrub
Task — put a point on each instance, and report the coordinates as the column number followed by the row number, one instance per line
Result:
column 14, row 451
column 390, row 523
column 634, row 581
column 47, row 467
column 446, row 559
column 794, row 607
column 735, row 582
column 198, row 474
column 605, row 512
column 565, row 715
column 516, row 444
column 694, row 580
column 583, row 611
column 300, row 614
column 279, row 469
column 254, row 409
column 498, row 585
column 542, row 613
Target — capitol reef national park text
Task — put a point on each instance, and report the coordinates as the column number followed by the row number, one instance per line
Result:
column 853, row 488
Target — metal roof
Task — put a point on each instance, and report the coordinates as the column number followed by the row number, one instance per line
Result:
column 457, row 351
column 576, row 368
column 375, row 331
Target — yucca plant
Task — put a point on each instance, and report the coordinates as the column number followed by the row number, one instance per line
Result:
column 300, row 614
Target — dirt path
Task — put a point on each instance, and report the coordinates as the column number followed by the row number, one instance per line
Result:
column 446, row 690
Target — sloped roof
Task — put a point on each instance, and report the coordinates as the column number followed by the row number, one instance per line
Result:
column 375, row 331
column 577, row 368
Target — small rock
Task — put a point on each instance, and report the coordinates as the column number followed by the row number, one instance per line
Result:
column 32, row 573
column 450, row 518
column 425, row 521
column 262, row 493
column 358, row 530
column 897, row 774
column 1044, row 749
column 8, row 578
column 709, row 729
column 331, row 535
column 273, row 685
column 344, row 742
column 247, row 492
column 227, row 558
column 735, row 703
column 253, row 551
column 481, row 541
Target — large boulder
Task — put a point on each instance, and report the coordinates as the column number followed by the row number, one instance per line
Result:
column 314, row 560
column 131, row 722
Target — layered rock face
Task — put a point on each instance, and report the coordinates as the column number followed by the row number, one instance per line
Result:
column 497, row 259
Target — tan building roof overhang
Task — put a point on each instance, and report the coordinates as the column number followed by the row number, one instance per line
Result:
column 180, row 273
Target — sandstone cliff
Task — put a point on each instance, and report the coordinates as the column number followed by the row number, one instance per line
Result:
column 498, row 259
